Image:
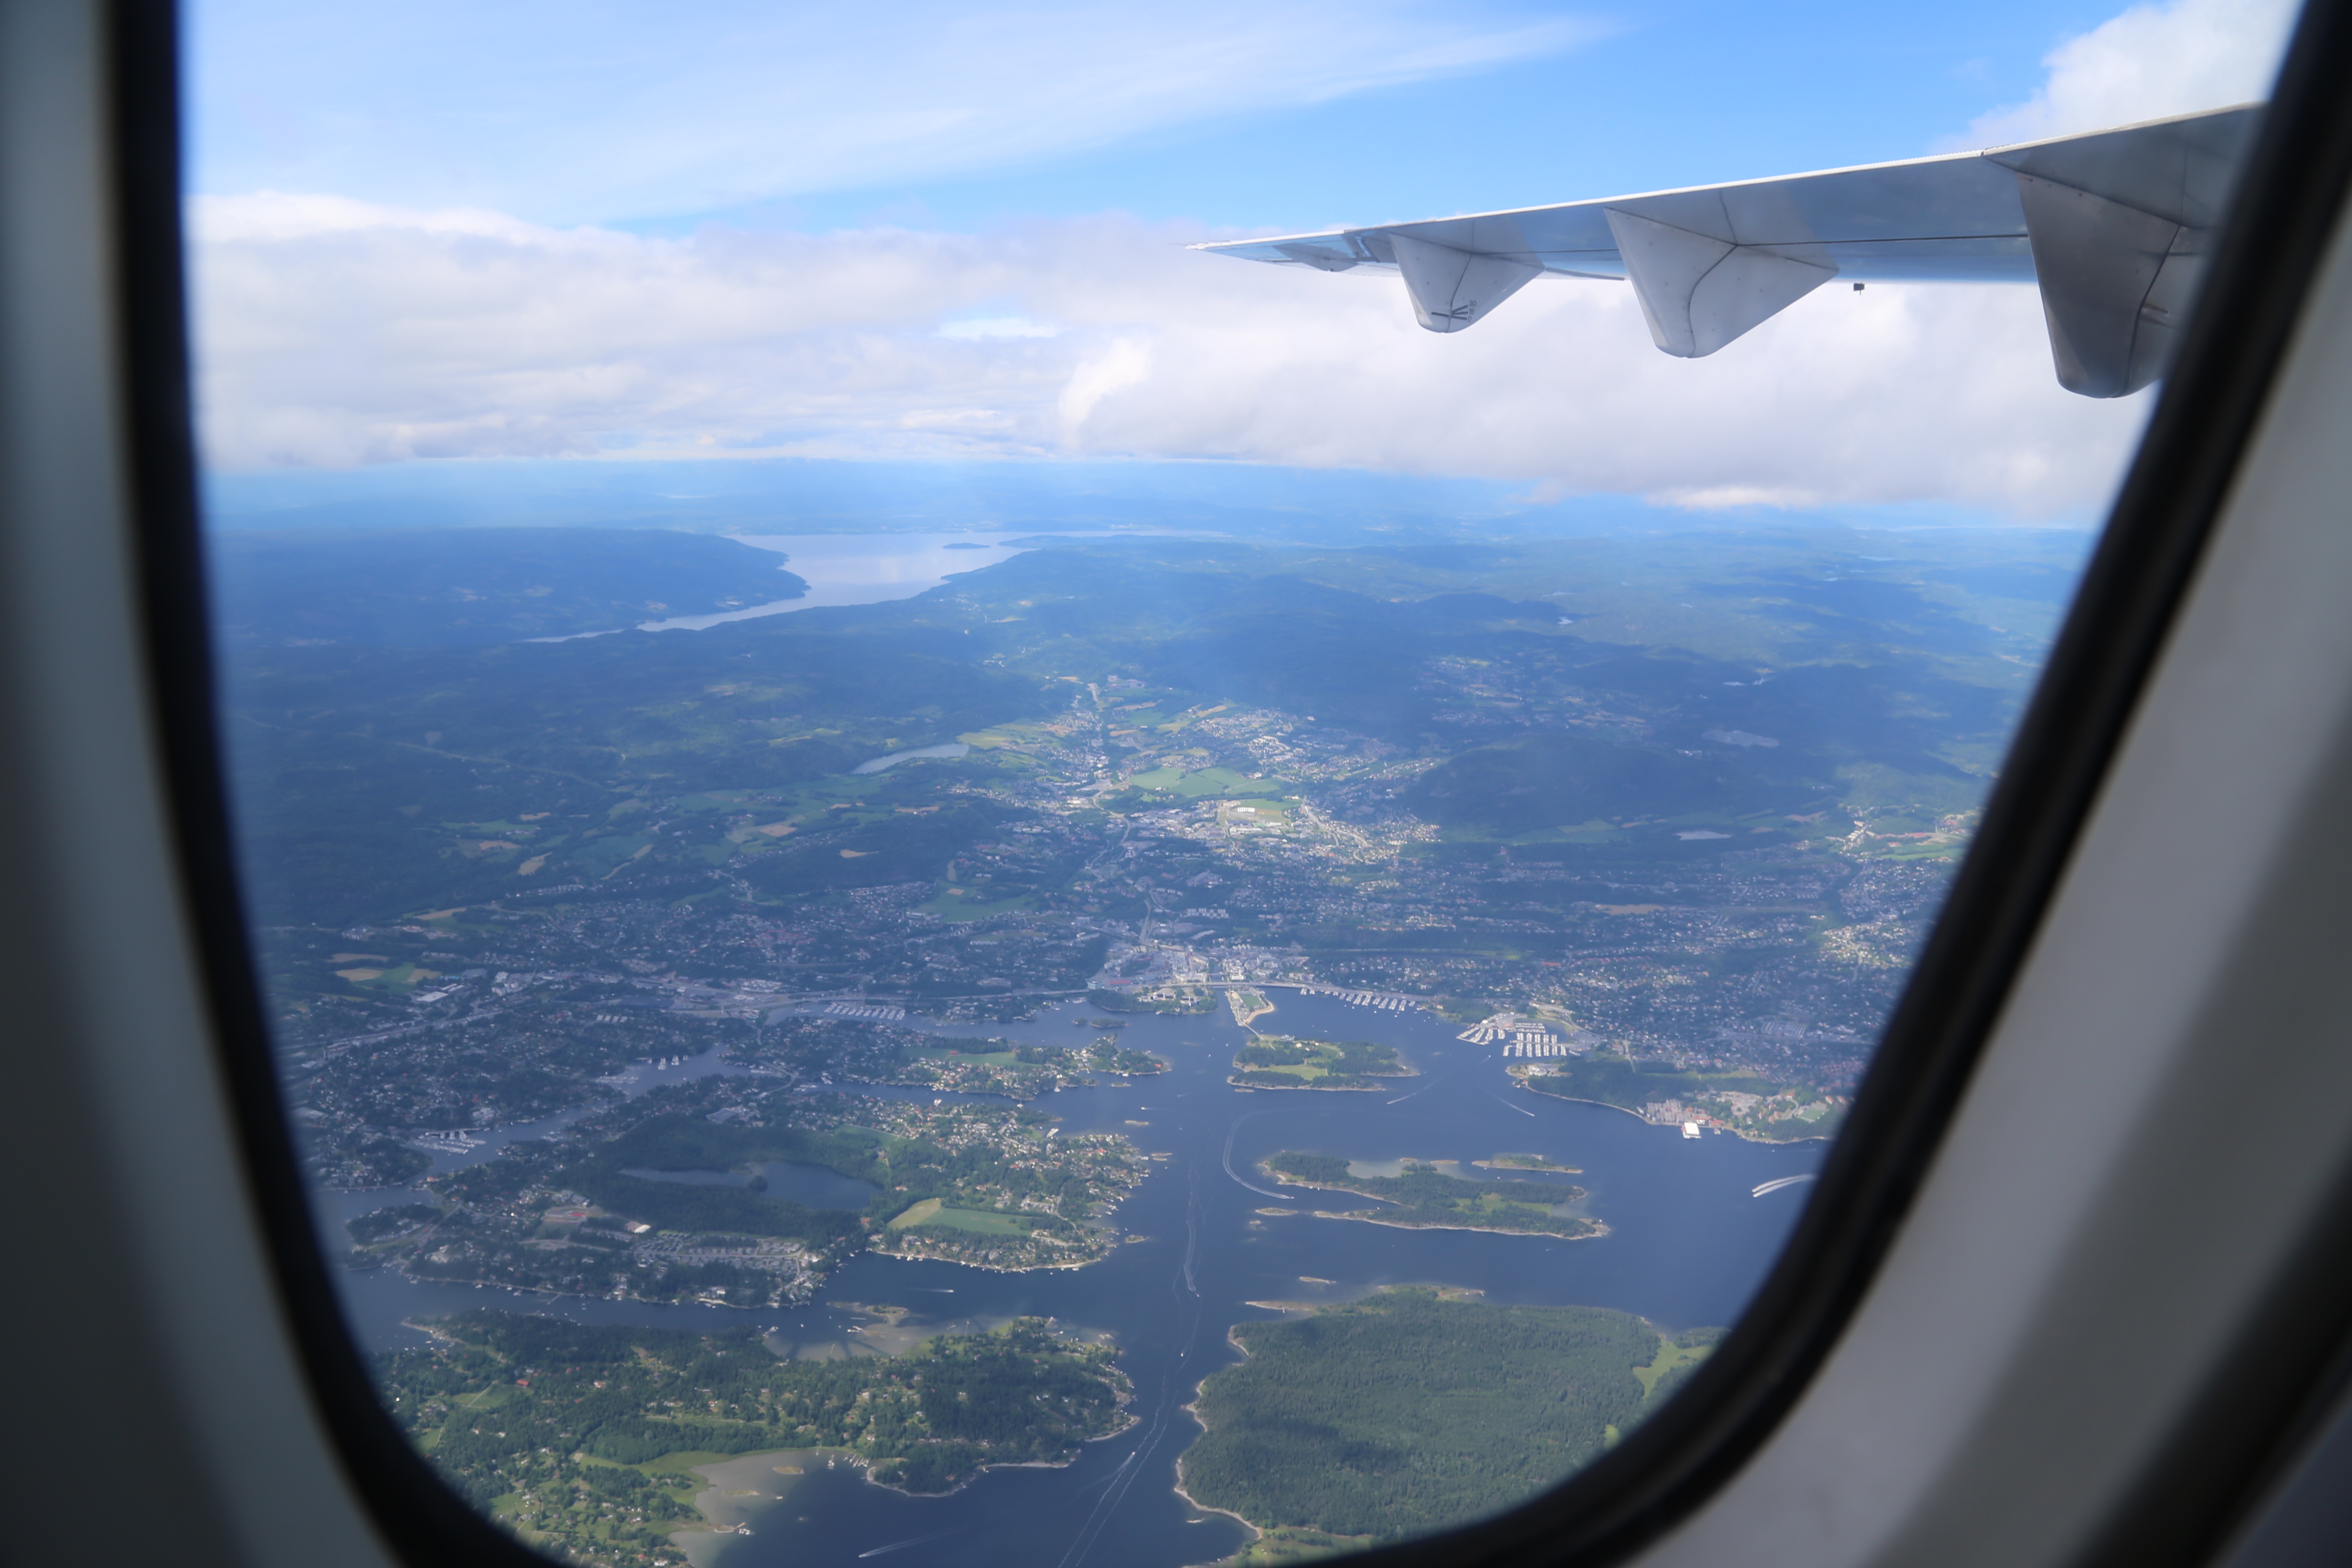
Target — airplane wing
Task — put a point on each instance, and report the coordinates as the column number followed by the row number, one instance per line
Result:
column 2113, row 225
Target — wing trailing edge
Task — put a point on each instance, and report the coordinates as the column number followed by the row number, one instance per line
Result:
column 2112, row 225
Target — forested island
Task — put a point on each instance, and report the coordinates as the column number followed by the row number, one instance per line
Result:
column 1417, row 1409
column 1426, row 1198
column 581, row 1438
column 1276, row 1061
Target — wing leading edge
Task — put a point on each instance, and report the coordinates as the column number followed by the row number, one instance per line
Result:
column 2113, row 225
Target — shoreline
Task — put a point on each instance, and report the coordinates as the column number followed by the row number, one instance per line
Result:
column 1600, row 1227
column 865, row 1465
column 1191, row 1409
column 996, row 1267
column 1313, row 1088
column 1735, row 1133
column 1297, row 1088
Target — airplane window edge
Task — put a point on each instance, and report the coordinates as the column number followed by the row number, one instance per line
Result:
column 2286, row 212
column 411, row 1507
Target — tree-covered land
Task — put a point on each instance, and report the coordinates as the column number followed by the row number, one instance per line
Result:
column 383, row 1224
column 1277, row 1061
column 1528, row 1162
column 1411, row 1411
column 1019, row 1072
column 655, row 1200
column 1425, row 1196
column 578, row 1437
column 1191, row 1003
column 998, row 1189
column 448, row 587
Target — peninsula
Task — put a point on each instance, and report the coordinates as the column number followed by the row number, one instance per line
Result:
column 668, row 1198
column 579, row 1439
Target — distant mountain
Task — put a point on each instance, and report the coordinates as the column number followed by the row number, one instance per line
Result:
column 447, row 587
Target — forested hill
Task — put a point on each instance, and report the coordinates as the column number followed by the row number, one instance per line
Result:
column 450, row 587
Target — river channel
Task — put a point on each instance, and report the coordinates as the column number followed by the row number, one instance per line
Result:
column 1687, row 1244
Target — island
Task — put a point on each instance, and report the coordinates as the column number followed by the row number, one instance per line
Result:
column 1741, row 1102
column 1425, row 1198
column 581, row 1439
column 1415, row 1409
column 1526, row 1163
column 1279, row 1061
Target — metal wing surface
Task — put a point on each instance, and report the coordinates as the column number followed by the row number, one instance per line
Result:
column 2112, row 225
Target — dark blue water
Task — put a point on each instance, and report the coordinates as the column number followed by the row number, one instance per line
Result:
column 811, row 1184
column 1687, row 1244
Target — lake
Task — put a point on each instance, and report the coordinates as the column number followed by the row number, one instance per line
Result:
column 1689, row 1243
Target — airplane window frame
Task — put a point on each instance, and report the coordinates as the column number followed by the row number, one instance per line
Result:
column 2288, row 204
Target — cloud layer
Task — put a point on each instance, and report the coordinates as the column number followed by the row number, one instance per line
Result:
column 2149, row 62
column 337, row 332
column 334, row 333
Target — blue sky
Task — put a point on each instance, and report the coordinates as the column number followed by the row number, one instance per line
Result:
column 635, row 115
column 1671, row 95
column 450, row 231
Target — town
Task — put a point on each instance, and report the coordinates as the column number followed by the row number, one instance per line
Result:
column 1145, row 853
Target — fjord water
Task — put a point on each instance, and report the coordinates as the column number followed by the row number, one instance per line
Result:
column 1687, row 1245
column 857, row 569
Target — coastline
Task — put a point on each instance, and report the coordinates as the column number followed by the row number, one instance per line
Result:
column 1735, row 1133
column 719, row 1493
column 1310, row 1088
column 1600, row 1227
column 1191, row 1409
column 1371, row 1216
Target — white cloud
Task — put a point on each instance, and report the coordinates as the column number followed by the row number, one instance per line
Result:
column 2149, row 62
column 1125, row 364
column 338, row 332
column 572, row 111
column 978, row 327
column 333, row 333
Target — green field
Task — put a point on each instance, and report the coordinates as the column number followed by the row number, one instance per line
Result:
column 1674, row 1357
column 933, row 1214
column 955, row 903
column 1217, row 782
